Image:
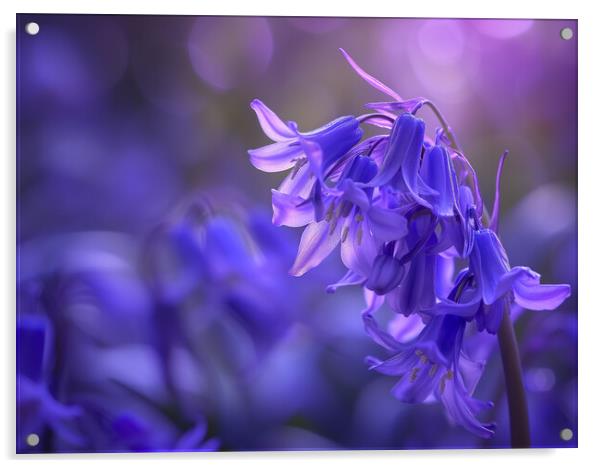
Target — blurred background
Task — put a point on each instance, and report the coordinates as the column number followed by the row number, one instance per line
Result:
column 154, row 307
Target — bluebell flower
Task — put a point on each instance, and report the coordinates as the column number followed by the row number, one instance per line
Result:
column 219, row 259
column 491, row 284
column 405, row 208
column 405, row 272
column 498, row 282
column 401, row 164
column 352, row 219
column 334, row 139
column 433, row 366
column 438, row 173
column 387, row 271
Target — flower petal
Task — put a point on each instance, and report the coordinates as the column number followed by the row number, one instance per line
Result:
column 351, row 278
column 335, row 138
column 373, row 301
column 358, row 250
column 471, row 371
column 350, row 191
column 386, row 225
column 370, row 79
column 315, row 157
column 290, row 210
column 461, row 409
column 409, row 105
column 317, row 242
column 403, row 154
column 528, row 293
column 490, row 265
column 467, row 308
column 276, row 157
column 416, row 292
column 489, row 317
column 416, row 389
column 298, row 182
column 386, row 273
column 377, row 120
column 380, row 336
column 271, row 124
column 438, row 173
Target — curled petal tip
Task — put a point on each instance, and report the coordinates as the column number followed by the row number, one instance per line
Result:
column 270, row 123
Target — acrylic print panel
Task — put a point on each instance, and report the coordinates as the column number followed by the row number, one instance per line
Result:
column 233, row 235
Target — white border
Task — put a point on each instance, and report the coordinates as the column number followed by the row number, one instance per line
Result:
column 589, row 36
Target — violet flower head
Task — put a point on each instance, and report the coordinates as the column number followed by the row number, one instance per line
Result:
column 352, row 218
column 408, row 214
column 433, row 366
column 492, row 286
column 334, row 139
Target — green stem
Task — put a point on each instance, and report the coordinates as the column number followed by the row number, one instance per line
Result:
column 515, row 389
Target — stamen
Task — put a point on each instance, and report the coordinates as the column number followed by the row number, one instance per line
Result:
column 433, row 370
column 418, row 352
column 424, row 359
column 359, row 217
column 329, row 211
column 299, row 163
column 333, row 225
column 334, row 218
column 337, row 213
column 359, row 234
column 448, row 376
column 345, row 233
column 414, row 374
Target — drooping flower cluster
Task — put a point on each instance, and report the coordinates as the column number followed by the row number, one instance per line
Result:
column 107, row 345
column 406, row 211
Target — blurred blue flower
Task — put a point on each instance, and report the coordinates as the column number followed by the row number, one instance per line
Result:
column 37, row 408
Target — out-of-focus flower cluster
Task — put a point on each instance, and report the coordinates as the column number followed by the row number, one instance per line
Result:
column 407, row 212
column 160, row 345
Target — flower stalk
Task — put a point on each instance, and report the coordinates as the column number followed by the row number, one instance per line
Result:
column 520, row 436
